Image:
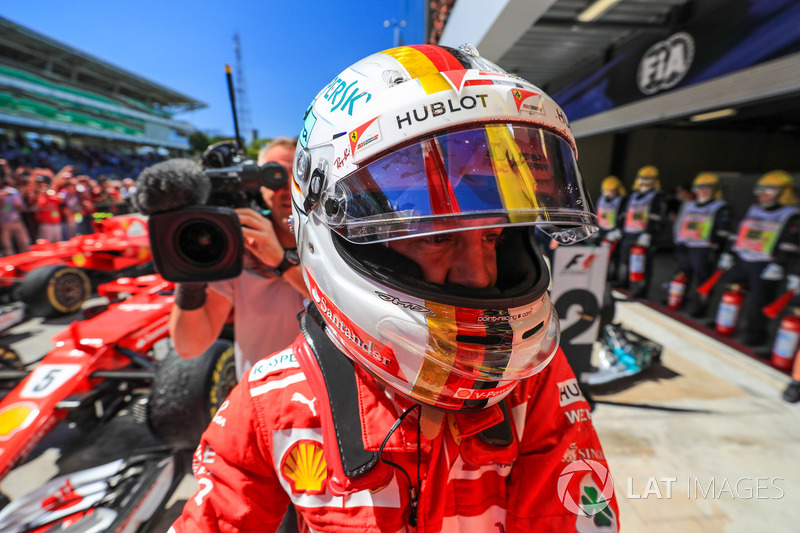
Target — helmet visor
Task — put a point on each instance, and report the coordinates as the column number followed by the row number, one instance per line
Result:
column 494, row 175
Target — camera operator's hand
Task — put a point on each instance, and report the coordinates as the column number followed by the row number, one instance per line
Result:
column 259, row 237
column 261, row 240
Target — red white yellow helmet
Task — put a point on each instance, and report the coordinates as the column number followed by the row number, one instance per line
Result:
column 612, row 183
column 782, row 182
column 417, row 141
column 647, row 172
column 708, row 179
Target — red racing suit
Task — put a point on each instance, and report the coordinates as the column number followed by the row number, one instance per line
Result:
column 265, row 445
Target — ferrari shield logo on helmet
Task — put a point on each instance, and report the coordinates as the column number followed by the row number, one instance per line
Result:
column 364, row 135
column 521, row 95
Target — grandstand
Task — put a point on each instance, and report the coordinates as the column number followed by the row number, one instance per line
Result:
column 47, row 87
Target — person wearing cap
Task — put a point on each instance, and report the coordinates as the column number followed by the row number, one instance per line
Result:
column 701, row 231
column 610, row 209
column 764, row 247
column 644, row 217
column 49, row 212
column 426, row 391
column 264, row 298
column 12, row 229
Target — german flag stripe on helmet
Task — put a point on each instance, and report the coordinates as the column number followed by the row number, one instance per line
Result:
column 515, row 181
column 435, row 377
column 496, row 334
column 423, row 61
column 469, row 340
column 440, row 357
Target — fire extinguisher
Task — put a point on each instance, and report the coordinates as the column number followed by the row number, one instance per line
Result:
column 730, row 306
column 677, row 288
column 784, row 348
column 636, row 264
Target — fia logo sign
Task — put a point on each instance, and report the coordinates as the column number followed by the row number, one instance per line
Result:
column 666, row 63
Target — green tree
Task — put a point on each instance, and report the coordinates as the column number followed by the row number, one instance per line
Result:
column 199, row 141
column 255, row 146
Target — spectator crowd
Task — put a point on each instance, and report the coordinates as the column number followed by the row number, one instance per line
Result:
column 52, row 192
column 439, row 11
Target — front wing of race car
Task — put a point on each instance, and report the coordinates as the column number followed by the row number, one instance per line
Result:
column 92, row 364
column 120, row 496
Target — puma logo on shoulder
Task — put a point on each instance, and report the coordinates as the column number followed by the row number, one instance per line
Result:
column 298, row 397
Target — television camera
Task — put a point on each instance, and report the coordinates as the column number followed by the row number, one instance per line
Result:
column 204, row 242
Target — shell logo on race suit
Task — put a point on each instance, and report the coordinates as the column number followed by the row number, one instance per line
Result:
column 304, row 467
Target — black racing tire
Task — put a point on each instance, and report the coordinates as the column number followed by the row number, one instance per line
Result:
column 186, row 393
column 55, row 290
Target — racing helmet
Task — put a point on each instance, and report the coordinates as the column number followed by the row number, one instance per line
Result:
column 708, row 179
column 612, row 183
column 422, row 141
column 782, row 180
column 647, row 171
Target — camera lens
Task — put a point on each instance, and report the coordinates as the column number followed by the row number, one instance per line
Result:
column 200, row 242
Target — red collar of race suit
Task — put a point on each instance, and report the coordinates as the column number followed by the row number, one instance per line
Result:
column 357, row 414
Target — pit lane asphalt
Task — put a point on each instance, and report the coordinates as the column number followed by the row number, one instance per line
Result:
column 703, row 441
column 67, row 449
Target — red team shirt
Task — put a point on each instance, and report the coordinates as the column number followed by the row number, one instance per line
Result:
column 48, row 208
column 264, row 448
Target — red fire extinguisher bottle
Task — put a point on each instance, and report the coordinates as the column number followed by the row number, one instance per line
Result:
column 677, row 288
column 784, row 349
column 636, row 264
column 730, row 307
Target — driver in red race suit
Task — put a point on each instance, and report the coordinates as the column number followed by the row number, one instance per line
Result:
column 426, row 391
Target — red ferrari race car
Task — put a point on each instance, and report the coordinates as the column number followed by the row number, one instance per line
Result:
column 120, row 358
column 56, row 278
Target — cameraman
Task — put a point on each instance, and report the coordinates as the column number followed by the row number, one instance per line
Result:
column 268, row 293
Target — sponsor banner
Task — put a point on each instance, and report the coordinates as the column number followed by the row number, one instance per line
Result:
column 569, row 392
column 481, row 394
column 350, row 335
column 733, row 36
column 279, row 361
column 579, row 280
column 579, row 275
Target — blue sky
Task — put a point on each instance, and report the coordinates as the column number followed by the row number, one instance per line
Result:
column 290, row 49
